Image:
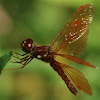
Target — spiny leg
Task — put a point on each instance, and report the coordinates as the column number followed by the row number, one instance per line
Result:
column 21, row 59
column 27, row 61
column 15, row 61
column 16, row 55
column 24, row 58
column 20, row 54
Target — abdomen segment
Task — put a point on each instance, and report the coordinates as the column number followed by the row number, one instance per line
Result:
column 56, row 66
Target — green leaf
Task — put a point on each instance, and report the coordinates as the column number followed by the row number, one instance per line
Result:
column 4, row 60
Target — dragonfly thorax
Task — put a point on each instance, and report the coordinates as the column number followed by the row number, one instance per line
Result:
column 43, row 53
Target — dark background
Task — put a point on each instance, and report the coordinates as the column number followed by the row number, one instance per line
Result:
column 41, row 20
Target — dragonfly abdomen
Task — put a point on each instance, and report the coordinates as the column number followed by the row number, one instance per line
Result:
column 56, row 66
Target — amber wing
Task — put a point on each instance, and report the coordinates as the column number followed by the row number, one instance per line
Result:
column 72, row 39
column 77, row 78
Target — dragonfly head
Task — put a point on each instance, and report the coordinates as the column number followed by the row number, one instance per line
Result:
column 26, row 45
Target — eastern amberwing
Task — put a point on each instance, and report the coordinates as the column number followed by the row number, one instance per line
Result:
column 68, row 44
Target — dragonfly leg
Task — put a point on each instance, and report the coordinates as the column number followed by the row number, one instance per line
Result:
column 15, row 61
column 19, row 54
column 27, row 61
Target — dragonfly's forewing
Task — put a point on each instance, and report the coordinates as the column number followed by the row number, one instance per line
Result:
column 72, row 39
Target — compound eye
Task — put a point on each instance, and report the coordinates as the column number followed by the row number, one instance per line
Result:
column 27, row 45
column 23, row 43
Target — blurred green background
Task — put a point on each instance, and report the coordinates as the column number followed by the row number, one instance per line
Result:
column 41, row 20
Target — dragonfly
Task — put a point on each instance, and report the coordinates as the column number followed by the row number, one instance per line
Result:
column 66, row 47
